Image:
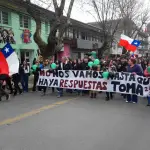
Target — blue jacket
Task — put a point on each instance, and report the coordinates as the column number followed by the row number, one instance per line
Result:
column 136, row 68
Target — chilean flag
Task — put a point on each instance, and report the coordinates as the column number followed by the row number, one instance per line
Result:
column 129, row 43
column 8, row 60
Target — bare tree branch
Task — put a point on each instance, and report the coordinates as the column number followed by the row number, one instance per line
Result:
column 55, row 5
column 70, row 9
column 62, row 5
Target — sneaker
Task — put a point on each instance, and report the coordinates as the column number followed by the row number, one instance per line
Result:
column 134, row 102
column 148, row 104
column 127, row 101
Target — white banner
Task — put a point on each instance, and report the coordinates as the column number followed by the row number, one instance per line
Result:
column 92, row 80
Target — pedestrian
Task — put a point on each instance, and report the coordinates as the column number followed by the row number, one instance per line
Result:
column 60, row 66
column 147, row 74
column 35, row 70
column 136, row 70
column 111, row 69
column 93, row 93
column 16, row 79
column 47, row 67
column 25, row 75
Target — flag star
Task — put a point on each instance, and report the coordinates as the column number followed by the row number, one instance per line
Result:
column 7, row 50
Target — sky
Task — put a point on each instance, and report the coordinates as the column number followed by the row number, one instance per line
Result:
column 81, row 11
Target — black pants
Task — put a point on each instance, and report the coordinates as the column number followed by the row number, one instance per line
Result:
column 44, row 89
column 109, row 95
column 53, row 89
column 8, row 81
column 16, row 87
column 2, row 90
column 36, row 77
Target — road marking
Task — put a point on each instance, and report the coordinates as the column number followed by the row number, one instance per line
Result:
column 33, row 112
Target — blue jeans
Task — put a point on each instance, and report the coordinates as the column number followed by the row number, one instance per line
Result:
column 24, row 81
column 132, row 98
column 148, row 98
column 60, row 91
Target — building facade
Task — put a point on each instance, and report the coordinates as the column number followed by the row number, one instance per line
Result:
column 80, row 39
column 18, row 28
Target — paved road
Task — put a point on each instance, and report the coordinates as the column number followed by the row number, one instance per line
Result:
column 75, row 124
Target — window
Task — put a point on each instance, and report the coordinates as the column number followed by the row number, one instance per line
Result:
column 77, row 34
column 4, row 17
column 70, row 33
column 74, row 34
column 83, row 35
column 89, row 37
column 24, row 21
column 67, row 33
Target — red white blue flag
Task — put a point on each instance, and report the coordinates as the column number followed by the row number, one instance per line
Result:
column 129, row 43
column 9, row 60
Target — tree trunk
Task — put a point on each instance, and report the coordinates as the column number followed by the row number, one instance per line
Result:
column 54, row 43
column 102, row 49
column 37, row 35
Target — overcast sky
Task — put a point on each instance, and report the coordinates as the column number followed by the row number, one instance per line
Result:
column 80, row 12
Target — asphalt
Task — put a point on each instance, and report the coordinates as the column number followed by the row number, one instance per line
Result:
column 80, row 124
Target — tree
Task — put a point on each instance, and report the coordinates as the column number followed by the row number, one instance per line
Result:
column 58, row 25
column 108, row 18
column 117, row 16
column 139, row 16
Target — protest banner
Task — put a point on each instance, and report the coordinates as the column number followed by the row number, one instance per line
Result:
column 93, row 80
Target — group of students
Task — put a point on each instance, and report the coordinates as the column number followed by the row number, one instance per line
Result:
column 119, row 64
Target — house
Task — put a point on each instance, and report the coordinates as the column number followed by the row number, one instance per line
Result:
column 17, row 27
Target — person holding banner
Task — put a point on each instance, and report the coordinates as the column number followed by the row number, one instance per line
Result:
column 147, row 74
column 93, row 94
column 35, row 70
column 136, row 70
column 60, row 66
column 46, row 66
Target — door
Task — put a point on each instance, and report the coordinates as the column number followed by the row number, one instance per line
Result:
column 25, row 56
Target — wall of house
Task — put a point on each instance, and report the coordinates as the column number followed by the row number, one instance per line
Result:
column 66, row 52
column 29, row 49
